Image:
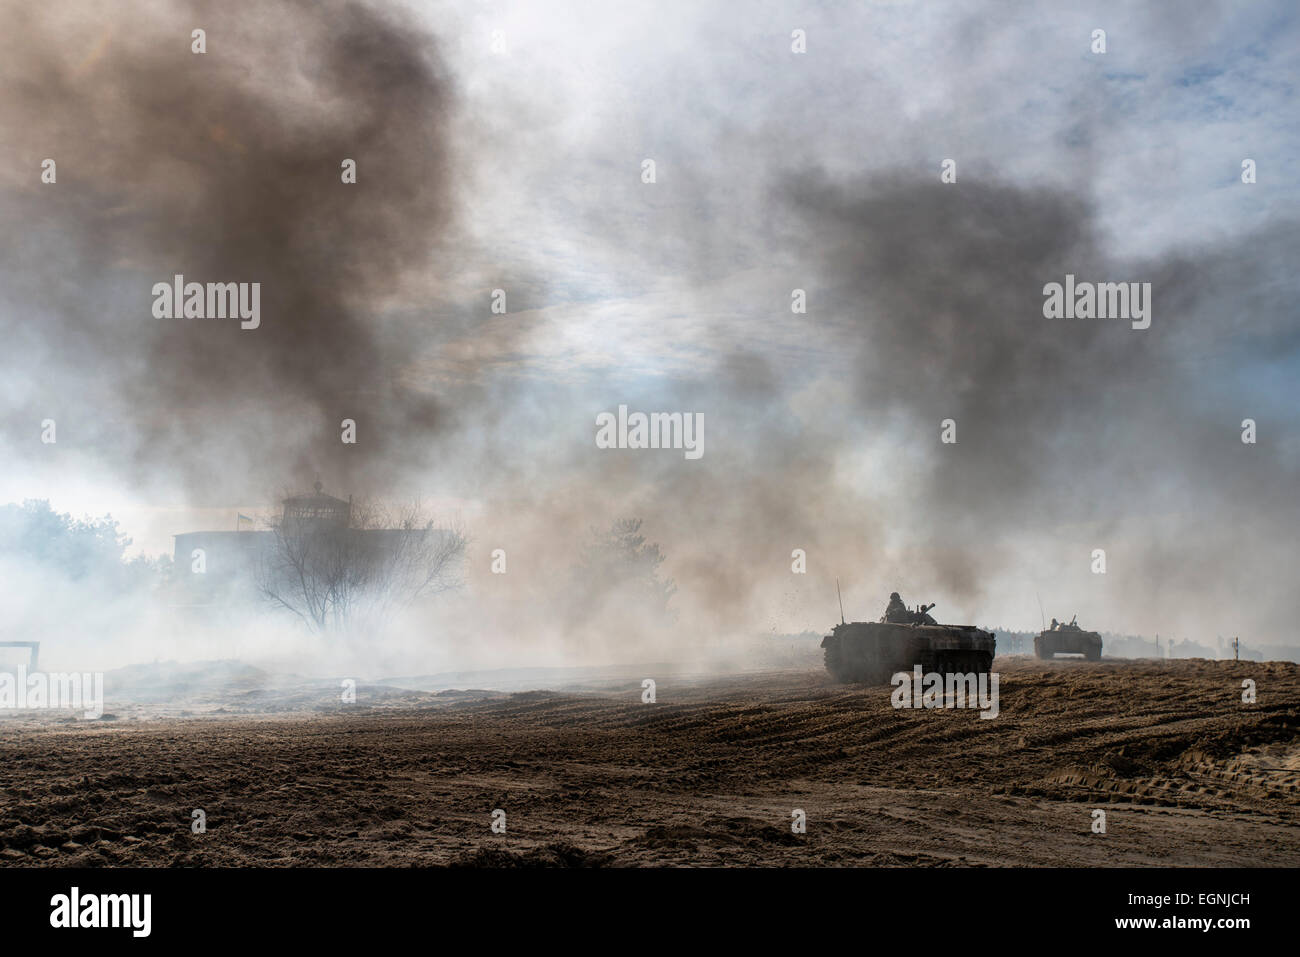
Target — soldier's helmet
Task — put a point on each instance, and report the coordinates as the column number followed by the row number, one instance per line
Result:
column 893, row 596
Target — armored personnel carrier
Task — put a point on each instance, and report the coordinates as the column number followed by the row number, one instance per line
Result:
column 872, row 651
column 1067, row 639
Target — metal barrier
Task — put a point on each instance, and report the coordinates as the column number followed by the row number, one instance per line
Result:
column 33, row 646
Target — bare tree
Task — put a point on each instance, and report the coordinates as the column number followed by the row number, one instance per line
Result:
column 338, row 575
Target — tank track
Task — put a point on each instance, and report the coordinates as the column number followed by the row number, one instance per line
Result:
column 943, row 662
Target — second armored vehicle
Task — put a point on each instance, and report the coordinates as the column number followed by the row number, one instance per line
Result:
column 1067, row 639
column 873, row 651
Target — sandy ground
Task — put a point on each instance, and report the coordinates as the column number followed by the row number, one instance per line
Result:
column 709, row 775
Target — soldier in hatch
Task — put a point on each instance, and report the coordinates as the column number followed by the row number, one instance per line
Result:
column 897, row 612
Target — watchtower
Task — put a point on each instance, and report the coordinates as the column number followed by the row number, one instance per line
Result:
column 318, row 509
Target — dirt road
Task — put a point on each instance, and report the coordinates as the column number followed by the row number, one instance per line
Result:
column 708, row 775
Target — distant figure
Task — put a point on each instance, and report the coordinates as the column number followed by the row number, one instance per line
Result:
column 1055, row 625
column 897, row 612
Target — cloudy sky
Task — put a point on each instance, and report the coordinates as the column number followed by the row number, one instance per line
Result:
column 501, row 146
